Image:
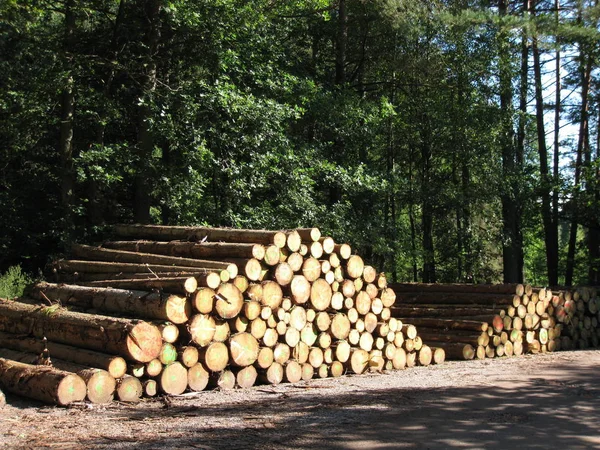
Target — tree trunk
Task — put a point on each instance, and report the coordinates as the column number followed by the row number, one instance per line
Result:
column 138, row 304
column 134, row 340
column 43, row 383
column 105, row 254
column 215, row 250
column 550, row 228
column 177, row 285
column 114, row 365
column 100, row 385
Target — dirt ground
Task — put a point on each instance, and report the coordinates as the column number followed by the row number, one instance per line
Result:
column 546, row 401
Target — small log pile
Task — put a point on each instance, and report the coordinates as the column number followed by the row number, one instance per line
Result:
column 486, row 321
column 169, row 309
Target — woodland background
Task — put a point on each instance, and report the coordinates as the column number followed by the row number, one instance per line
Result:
column 448, row 141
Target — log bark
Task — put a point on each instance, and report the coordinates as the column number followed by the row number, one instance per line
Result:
column 106, row 267
column 173, row 379
column 447, row 324
column 442, row 311
column 129, row 389
column 177, row 285
column 116, row 366
column 199, row 234
column 244, row 349
column 507, row 288
column 110, row 255
column 133, row 340
column 43, row 383
column 139, row 304
column 206, row 250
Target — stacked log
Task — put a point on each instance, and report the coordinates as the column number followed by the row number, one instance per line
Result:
column 189, row 308
column 485, row 321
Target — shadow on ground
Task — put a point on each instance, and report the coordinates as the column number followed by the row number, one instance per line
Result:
column 559, row 409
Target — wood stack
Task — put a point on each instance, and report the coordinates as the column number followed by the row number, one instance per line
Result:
column 486, row 321
column 186, row 308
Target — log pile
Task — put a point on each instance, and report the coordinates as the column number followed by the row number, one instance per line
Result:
column 486, row 321
column 169, row 309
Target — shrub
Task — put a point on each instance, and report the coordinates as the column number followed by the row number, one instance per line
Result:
column 14, row 282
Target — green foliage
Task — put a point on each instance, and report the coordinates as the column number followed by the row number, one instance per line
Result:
column 13, row 282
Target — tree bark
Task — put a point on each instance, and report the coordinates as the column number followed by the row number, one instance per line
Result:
column 43, row 383
column 133, row 340
column 210, row 250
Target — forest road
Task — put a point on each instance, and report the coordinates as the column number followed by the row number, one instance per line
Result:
column 548, row 401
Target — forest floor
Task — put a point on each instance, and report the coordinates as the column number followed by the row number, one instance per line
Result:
column 549, row 401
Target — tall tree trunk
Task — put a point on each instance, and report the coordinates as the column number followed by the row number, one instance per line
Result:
column 594, row 231
column 510, row 243
column 582, row 147
column 555, row 172
column 550, row 228
column 341, row 40
column 94, row 211
column 145, row 144
column 520, row 156
column 67, row 109
column 427, row 208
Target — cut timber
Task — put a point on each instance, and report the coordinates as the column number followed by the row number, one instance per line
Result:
column 43, row 383
column 272, row 294
column 185, row 233
column 309, row 234
column 355, row 266
column 244, row 349
column 457, row 350
column 173, row 379
column 293, row 240
column 273, row 375
column 246, row 377
column 359, row 361
column 215, row 357
column 150, row 388
column 344, row 250
column 328, row 245
column 229, row 301
column 439, row 355
column 311, row 269
column 447, row 324
column 283, row 274
column 202, row 329
column 106, row 267
column 169, row 332
column 340, row 326
column 300, row 289
column 293, row 372
column 114, row 365
column 134, row 340
column 104, row 254
column 191, row 249
column 139, row 304
column 249, row 267
column 442, row 311
column 399, row 359
column 224, row 380
column 439, row 298
column 425, row 355
column 456, row 287
column 100, row 385
column 265, row 358
column 320, row 294
column 177, row 285
column 129, row 389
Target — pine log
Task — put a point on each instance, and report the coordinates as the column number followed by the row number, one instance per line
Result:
column 114, row 365
column 199, row 234
column 229, row 301
column 43, row 383
column 246, row 377
column 273, row 375
column 399, row 359
column 311, row 269
column 447, row 324
column 355, row 266
column 224, row 380
column 129, row 389
column 100, row 385
column 508, row 288
column 244, row 349
column 177, row 285
column 308, row 372
column 359, row 361
column 292, row 371
column 214, row 357
column 107, row 267
column 197, row 377
column 139, row 304
column 207, row 250
column 110, row 255
column 344, row 250
column 320, row 294
column 134, row 340
column 477, row 300
column 442, row 311
column 460, row 351
column 309, row 234
column 265, row 358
